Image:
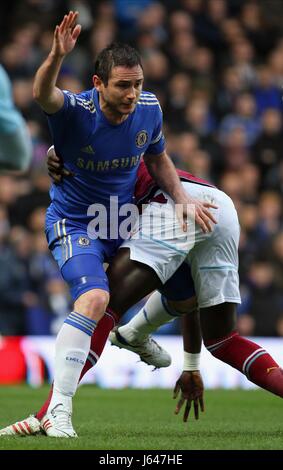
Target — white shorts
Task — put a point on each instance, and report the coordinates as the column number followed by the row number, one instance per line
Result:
column 159, row 242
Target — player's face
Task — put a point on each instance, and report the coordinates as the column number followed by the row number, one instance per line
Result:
column 122, row 92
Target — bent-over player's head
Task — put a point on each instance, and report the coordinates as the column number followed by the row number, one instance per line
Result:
column 118, row 76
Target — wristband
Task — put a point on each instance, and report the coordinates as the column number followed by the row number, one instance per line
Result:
column 191, row 361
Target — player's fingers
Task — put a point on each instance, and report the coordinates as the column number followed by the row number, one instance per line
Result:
column 52, row 157
column 63, row 23
column 66, row 172
column 54, row 165
column 209, row 215
column 72, row 22
column 179, row 405
column 74, row 19
column 187, row 411
column 196, row 408
column 56, row 32
column 76, row 32
column 55, row 174
column 51, row 151
column 55, row 177
column 69, row 19
column 176, row 390
column 201, row 223
column 64, row 20
column 210, row 205
column 52, row 171
column 205, row 221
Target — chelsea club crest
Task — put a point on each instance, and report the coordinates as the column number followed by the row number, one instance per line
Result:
column 83, row 241
column 141, row 139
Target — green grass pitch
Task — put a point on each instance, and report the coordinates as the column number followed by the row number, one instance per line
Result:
column 144, row 419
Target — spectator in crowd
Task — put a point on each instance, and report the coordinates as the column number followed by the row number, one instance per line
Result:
column 265, row 301
column 15, row 292
column 244, row 117
column 266, row 92
column 268, row 146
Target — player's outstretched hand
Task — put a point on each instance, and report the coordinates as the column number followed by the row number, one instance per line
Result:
column 190, row 385
column 199, row 212
column 55, row 167
column 66, row 35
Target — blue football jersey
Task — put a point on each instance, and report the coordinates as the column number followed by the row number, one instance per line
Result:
column 103, row 157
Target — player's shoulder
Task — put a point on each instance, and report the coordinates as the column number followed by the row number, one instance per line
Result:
column 83, row 99
column 148, row 99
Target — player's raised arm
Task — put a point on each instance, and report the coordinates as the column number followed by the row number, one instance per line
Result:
column 45, row 92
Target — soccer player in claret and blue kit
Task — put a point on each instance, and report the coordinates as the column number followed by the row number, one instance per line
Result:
column 101, row 136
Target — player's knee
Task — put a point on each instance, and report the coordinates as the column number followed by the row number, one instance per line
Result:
column 117, row 303
column 119, row 294
column 217, row 322
column 183, row 306
column 92, row 303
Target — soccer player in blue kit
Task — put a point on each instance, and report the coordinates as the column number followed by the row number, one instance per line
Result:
column 101, row 136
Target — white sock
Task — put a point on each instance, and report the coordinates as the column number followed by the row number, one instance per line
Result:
column 154, row 314
column 71, row 351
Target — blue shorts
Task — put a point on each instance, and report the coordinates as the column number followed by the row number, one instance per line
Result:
column 80, row 258
column 180, row 286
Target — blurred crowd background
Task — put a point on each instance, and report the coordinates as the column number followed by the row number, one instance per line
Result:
column 217, row 69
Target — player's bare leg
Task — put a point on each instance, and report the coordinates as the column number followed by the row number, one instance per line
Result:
column 135, row 335
column 129, row 282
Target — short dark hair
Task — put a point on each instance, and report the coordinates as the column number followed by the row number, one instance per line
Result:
column 114, row 55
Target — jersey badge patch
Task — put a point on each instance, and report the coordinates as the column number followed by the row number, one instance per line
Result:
column 141, row 138
column 83, row 241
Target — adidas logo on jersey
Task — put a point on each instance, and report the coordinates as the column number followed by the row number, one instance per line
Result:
column 88, row 149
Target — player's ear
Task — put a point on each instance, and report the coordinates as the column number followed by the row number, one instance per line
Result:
column 97, row 82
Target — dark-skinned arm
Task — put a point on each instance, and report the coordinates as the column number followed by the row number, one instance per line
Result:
column 190, row 383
